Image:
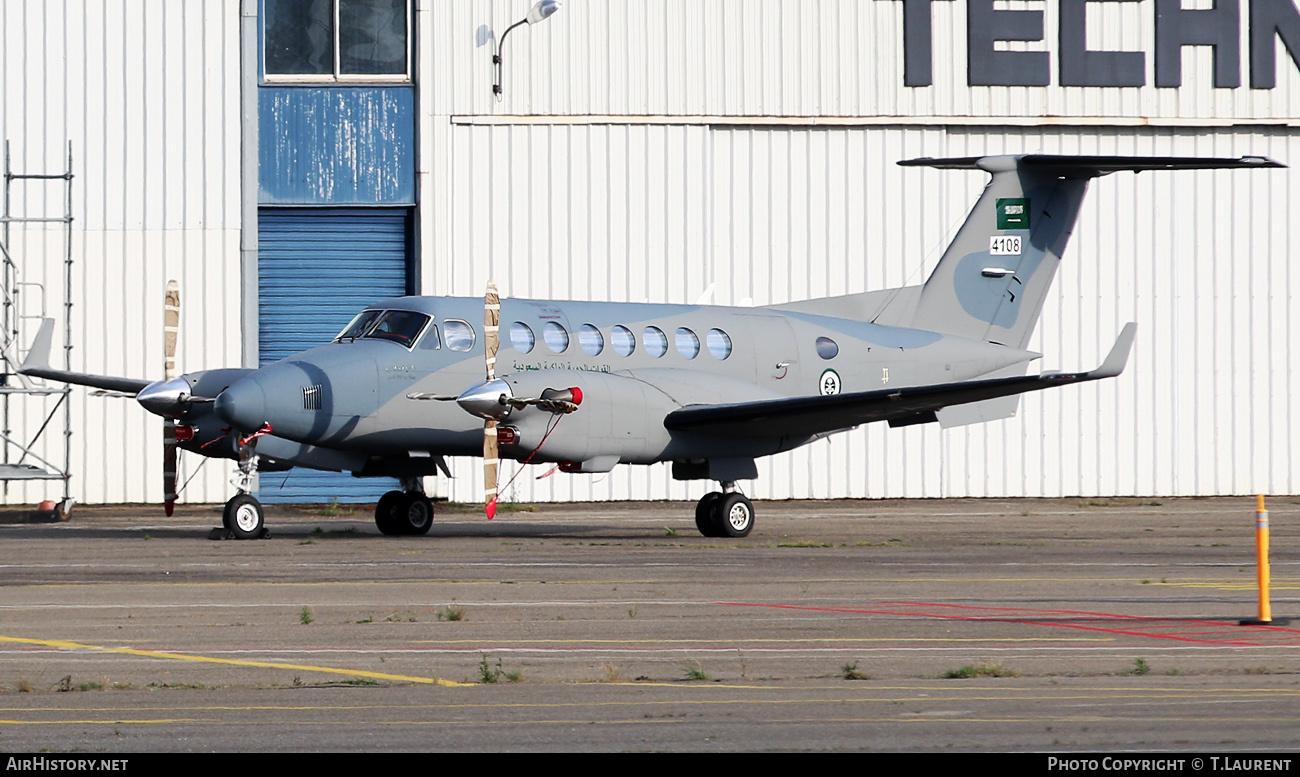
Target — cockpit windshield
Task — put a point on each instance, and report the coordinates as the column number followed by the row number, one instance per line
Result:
column 399, row 326
column 359, row 325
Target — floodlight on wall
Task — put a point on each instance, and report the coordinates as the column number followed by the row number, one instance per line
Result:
column 542, row 10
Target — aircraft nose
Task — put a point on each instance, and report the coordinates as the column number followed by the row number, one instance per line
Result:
column 242, row 405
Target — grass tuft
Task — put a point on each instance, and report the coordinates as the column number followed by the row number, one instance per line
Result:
column 696, row 673
column 495, row 674
column 451, row 613
column 980, row 670
column 1140, row 667
column 850, row 672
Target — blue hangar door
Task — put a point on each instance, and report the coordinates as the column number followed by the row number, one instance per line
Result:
column 317, row 268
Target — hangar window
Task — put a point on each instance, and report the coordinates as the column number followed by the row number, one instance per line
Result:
column 827, row 348
column 656, row 342
column 522, row 337
column 623, row 340
column 688, row 344
column 398, row 326
column 591, row 340
column 719, row 343
column 459, row 335
column 359, row 325
column 557, row 337
column 336, row 40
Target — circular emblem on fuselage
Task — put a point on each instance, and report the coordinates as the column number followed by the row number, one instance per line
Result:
column 829, row 383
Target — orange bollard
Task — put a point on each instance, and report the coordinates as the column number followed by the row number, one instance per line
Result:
column 1261, row 566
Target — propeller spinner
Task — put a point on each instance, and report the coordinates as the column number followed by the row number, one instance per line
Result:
column 493, row 399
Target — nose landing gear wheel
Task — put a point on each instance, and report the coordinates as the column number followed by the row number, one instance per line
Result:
column 243, row 517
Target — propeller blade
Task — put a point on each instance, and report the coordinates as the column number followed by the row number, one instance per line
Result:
column 171, row 329
column 491, row 341
column 491, row 465
column 491, row 328
column 170, row 456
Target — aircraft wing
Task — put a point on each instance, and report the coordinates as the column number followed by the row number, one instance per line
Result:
column 37, row 365
column 803, row 416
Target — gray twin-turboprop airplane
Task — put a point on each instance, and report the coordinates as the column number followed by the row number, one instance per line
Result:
column 589, row 385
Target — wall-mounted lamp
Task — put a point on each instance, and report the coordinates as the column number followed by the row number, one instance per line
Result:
column 543, row 9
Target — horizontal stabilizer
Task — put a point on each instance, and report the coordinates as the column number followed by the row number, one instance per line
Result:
column 807, row 416
column 1093, row 166
column 37, row 365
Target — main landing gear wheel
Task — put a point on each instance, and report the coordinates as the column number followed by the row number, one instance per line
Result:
column 243, row 517
column 411, row 513
column 735, row 515
column 414, row 513
column 724, row 515
column 705, row 519
column 385, row 513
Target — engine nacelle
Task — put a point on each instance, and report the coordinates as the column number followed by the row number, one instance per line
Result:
column 594, row 437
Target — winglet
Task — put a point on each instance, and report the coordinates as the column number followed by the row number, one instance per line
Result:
column 38, row 358
column 1118, row 356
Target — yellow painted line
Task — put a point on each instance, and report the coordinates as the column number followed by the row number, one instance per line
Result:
column 724, row 642
column 114, row 722
column 232, row 661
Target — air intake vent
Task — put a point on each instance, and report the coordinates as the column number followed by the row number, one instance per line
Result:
column 311, row 398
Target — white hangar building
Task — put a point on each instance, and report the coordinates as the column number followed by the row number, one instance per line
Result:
column 288, row 161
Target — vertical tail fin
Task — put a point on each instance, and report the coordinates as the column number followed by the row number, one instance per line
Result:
column 992, row 281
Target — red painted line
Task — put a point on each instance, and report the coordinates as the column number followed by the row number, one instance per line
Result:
column 1135, row 625
column 1117, row 616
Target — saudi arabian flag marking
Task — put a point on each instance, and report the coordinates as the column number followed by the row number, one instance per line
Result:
column 1013, row 213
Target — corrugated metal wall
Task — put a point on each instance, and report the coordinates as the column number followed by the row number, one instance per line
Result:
column 655, row 150
column 147, row 91
column 317, row 268
column 772, row 214
column 824, row 58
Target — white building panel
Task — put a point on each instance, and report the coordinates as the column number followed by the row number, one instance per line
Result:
column 147, row 93
column 827, row 59
column 1197, row 258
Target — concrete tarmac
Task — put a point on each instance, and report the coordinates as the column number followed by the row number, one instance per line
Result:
column 1071, row 625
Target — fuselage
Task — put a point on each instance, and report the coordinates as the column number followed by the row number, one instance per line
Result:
column 634, row 363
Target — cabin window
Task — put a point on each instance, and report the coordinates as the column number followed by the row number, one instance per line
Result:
column 431, row 341
column 458, row 334
column 656, row 342
column 688, row 344
column 398, row 326
column 719, row 343
column 623, row 340
column 557, row 337
column 359, row 325
column 522, row 337
column 827, row 348
column 591, row 340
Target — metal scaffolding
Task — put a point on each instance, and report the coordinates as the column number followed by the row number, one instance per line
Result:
column 24, row 306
